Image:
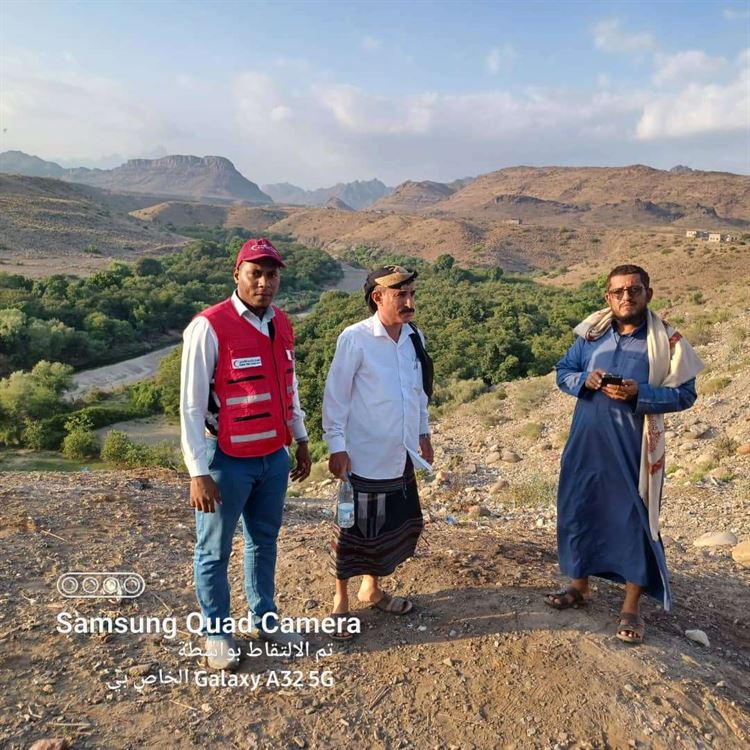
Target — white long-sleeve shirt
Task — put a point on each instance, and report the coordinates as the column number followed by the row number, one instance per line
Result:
column 200, row 353
column 374, row 405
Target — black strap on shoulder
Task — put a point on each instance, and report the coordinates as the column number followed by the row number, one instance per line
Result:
column 428, row 369
column 271, row 330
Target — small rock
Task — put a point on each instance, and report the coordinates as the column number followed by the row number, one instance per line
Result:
column 453, row 634
column 448, row 662
column 510, row 457
column 139, row 670
column 441, row 477
column 470, row 468
column 493, row 458
column 55, row 744
column 478, row 511
column 698, row 636
column 716, row 539
column 206, row 708
column 327, row 482
column 744, row 450
column 499, row 486
column 741, row 553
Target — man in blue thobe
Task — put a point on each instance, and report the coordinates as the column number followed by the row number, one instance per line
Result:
column 602, row 520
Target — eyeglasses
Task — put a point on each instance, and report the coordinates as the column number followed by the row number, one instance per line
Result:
column 631, row 291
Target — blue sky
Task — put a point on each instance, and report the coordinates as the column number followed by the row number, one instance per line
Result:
column 314, row 93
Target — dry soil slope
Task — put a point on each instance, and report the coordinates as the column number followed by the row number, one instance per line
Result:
column 728, row 194
column 184, row 214
column 47, row 217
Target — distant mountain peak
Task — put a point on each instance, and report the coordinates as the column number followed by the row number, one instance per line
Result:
column 176, row 175
column 357, row 195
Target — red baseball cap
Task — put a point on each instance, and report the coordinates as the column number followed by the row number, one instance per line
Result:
column 254, row 250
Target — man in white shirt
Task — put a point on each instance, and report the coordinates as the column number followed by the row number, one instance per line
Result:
column 376, row 426
column 239, row 409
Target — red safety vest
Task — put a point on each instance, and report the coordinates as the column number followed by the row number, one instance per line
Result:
column 253, row 382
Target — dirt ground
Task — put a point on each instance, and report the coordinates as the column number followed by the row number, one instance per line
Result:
column 480, row 663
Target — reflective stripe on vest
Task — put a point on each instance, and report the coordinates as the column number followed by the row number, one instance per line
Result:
column 233, row 401
column 253, row 438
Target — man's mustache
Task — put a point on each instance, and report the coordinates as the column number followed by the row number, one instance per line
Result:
column 406, row 310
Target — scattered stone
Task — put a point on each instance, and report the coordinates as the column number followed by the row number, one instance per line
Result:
column 55, row 744
column 471, row 468
column 478, row 511
column 139, row 670
column 716, row 539
column 698, row 636
column 499, row 486
column 441, row 477
column 744, row 450
column 741, row 553
column 206, row 708
column 493, row 458
column 448, row 662
column 510, row 457
column 327, row 482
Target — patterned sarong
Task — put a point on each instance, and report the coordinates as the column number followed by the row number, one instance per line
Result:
column 387, row 526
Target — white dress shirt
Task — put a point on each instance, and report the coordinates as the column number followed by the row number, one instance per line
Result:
column 374, row 405
column 200, row 352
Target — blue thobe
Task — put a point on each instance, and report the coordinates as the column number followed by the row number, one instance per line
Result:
column 602, row 522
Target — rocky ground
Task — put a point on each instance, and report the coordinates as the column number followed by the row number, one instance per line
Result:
column 480, row 663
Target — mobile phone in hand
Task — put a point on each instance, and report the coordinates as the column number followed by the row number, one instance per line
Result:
column 610, row 379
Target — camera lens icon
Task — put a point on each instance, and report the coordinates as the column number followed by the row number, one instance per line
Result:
column 104, row 585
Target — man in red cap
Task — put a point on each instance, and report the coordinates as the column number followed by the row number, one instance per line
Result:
column 239, row 410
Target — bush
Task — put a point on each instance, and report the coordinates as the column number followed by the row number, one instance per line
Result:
column 145, row 397
column 80, row 443
column 710, row 387
column 119, row 450
column 531, row 430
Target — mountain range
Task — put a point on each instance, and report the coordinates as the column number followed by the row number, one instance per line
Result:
column 356, row 195
column 194, row 177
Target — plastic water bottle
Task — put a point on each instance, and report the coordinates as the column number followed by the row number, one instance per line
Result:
column 345, row 505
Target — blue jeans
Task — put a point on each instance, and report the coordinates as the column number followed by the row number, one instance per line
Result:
column 253, row 489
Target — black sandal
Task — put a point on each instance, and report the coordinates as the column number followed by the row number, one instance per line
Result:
column 342, row 632
column 570, row 597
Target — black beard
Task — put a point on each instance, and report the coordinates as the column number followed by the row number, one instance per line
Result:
column 634, row 319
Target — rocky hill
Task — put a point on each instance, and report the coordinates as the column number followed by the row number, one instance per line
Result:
column 338, row 204
column 198, row 178
column 411, row 197
column 589, row 187
column 357, row 194
column 17, row 162
column 50, row 226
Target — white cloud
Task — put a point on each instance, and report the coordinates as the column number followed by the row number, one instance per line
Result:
column 736, row 14
column 698, row 109
column 499, row 57
column 609, row 36
column 691, row 65
column 371, row 43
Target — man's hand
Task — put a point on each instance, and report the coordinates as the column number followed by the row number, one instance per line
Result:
column 339, row 464
column 425, row 449
column 204, row 494
column 303, row 464
column 625, row 392
column 594, row 380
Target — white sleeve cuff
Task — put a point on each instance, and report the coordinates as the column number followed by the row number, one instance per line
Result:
column 336, row 444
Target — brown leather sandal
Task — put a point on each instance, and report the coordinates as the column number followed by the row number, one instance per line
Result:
column 631, row 628
column 393, row 605
column 570, row 597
